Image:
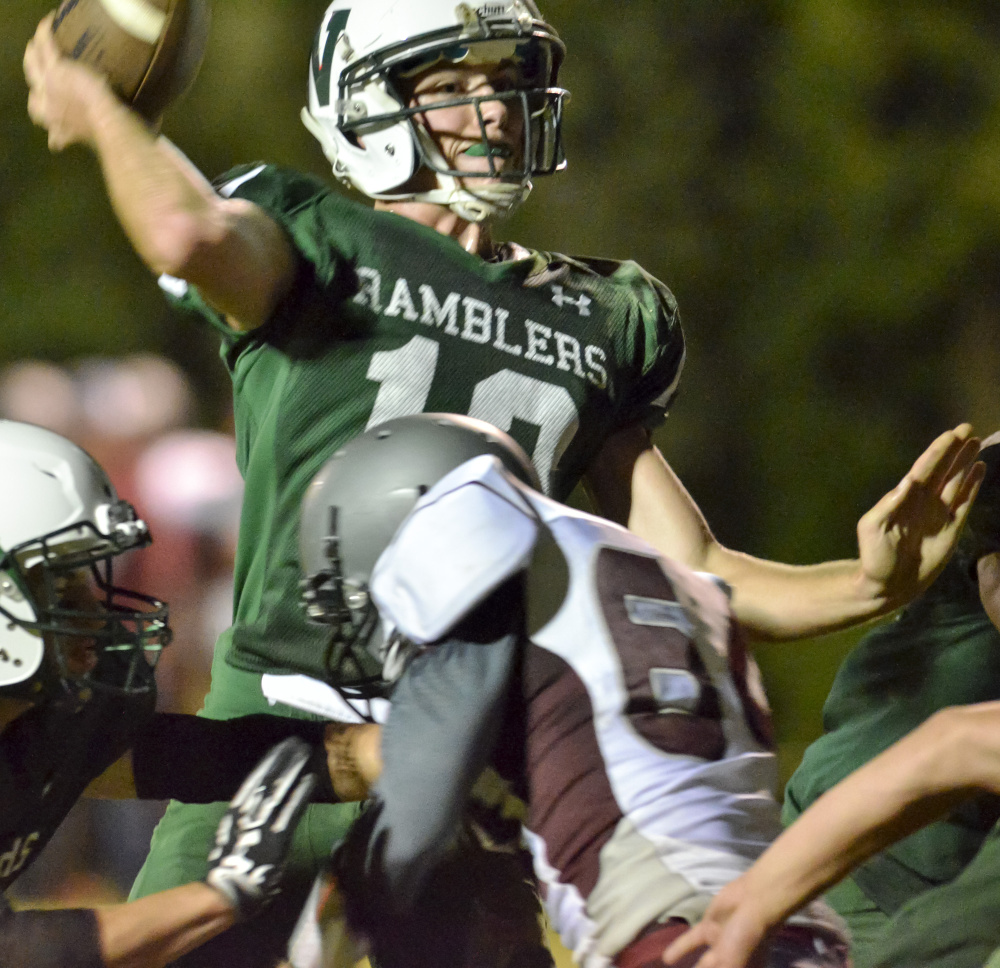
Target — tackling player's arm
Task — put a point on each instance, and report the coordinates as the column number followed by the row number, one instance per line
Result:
column 904, row 540
column 160, row 767
column 141, row 934
column 238, row 256
column 951, row 756
column 247, row 861
column 157, row 929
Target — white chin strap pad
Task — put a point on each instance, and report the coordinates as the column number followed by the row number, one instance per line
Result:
column 494, row 200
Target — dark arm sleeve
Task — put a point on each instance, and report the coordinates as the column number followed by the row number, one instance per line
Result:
column 198, row 760
column 49, row 939
column 445, row 720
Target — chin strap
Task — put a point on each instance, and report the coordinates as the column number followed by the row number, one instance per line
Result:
column 490, row 201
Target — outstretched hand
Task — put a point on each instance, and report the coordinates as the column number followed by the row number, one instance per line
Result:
column 907, row 537
column 732, row 934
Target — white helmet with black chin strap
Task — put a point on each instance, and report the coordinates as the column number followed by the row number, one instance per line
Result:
column 59, row 514
column 372, row 137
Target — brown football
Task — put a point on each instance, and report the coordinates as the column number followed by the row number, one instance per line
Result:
column 149, row 50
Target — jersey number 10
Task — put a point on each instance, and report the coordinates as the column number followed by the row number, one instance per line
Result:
column 405, row 376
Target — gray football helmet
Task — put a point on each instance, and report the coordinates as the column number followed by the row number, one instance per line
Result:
column 61, row 521
column 354, row 506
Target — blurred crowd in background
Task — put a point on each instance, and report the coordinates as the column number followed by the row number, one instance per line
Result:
column 135, row 414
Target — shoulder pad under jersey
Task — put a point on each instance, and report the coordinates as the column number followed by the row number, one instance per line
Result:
column 471, row 532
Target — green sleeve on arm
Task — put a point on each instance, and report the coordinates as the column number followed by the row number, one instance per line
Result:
column 297, row 203
column 656, row 347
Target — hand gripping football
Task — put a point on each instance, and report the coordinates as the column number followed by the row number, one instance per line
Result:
column 149, row 50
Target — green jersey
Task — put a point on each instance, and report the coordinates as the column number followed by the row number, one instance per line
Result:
column 388, row 317
column 941, row 651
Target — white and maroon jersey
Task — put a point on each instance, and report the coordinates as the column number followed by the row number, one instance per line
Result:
column 650, row 781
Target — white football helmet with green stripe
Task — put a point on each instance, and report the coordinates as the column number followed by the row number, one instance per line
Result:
column 373, row 139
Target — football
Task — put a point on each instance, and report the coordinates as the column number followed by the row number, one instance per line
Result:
column 149, row 50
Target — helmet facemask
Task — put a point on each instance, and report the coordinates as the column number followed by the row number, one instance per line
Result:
column 107, row 639
column 374, row 136
column 346, row 608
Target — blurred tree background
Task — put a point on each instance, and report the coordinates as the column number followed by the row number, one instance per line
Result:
column 818, row 183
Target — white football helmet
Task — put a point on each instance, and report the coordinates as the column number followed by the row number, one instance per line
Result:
column 59, row 514
column 370, row 135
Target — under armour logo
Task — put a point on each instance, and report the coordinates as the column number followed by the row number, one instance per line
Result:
column 581, row 302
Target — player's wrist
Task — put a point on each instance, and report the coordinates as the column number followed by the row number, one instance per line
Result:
column 227, row 898
column 216, row 903
column 869, row 592
column 109, row 121
column 768, row 893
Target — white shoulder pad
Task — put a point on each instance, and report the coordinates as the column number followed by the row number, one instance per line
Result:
column 320, row 698
column 465, row 537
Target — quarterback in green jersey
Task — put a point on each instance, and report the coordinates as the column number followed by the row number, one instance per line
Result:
column 336, row 316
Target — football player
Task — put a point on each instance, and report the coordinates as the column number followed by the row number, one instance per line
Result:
column 946, row 760
column 606, row 684
column 926, row 898
column 77, row 693
column 77, row 655
column 335, row 316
